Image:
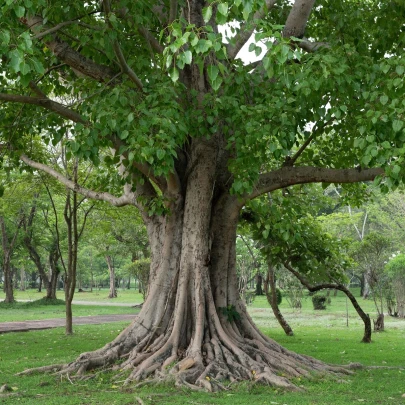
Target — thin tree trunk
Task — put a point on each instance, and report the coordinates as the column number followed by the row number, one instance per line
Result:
column 22, row 279
column 272, row 299
column 113, row 291
column 8, row 247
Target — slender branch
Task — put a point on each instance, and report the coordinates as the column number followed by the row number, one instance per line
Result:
column 45, row 103
column 310, row 46
column 289, row 176
column 318, row 129
column 250, row 251
column 61, row 25
column 144, row 168
column 54, row 29
column 126, row 199
column 246, row 30
column 153, row 42
column 118, row 52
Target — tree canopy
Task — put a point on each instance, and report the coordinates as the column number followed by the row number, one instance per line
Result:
column 155, row 94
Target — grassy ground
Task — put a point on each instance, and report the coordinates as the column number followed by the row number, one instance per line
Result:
column 20, row 312
column 322, row 334
column 124, row 296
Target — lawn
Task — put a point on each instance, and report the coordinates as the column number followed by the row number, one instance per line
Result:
column 322, row 334
column 124, row 296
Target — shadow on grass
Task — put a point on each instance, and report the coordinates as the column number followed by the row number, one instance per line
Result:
column 32, row 304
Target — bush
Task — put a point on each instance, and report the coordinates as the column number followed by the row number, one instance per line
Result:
column 319, row 301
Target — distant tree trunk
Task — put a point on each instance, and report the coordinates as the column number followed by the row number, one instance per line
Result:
column 8, row 247
column 48, row 278
column 272, row 299
column 366, row 290
column 40, row 284
column 113, row 292
column 55, row 270
column 22, row 279
column 379, row 323
column 259, row 283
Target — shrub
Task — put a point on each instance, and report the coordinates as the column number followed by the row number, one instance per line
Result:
column 319, row 301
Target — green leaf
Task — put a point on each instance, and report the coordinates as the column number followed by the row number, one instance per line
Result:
column 39, row 68
column 396, row 169
column 161, row 154
column 212, row 71
column 19, row 11
column 124, row 134
column 4, row 37
column 223, row 8
column 174, row 74
column 384, row 100
column 207, row 13
column 188, row 57
column 400, row 70
column 397, row 125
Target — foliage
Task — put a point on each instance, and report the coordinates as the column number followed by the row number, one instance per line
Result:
column 231, row 314
column 395, row 268
column 140, row 269
column 371, row 254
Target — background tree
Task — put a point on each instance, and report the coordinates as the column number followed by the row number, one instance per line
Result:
column 396, row 270
column 371, row 255
column 157, row 92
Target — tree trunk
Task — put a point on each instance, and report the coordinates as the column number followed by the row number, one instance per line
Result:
column 8, row 280
column 113, row 291
column 8, row 246
column 272, row 300
column 193, row 327
column 259, row 282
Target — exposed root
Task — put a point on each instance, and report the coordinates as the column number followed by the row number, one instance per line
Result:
column 45, row 369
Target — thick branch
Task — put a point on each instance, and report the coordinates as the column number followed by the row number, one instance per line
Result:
column 69, row 56
column 298, row 18
column 44, row 102
column 289, row 176
column 246, row 30
column 126, row 199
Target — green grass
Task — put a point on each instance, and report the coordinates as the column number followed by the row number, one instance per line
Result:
column 124, row 296
column 322, row 334
column 19, row 311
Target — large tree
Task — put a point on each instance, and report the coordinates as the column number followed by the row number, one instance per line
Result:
column 156, row 91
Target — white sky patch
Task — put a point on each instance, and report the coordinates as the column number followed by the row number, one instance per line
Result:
column 244, row 54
